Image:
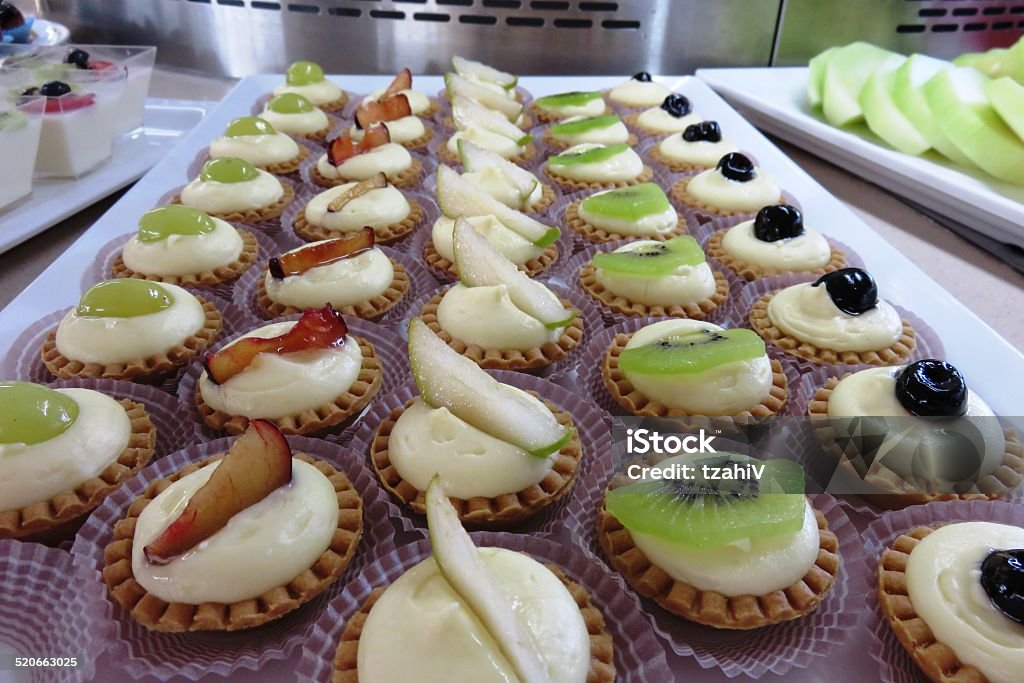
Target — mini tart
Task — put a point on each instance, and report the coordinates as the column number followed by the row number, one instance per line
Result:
column 209, row 278
column 633, row 121
column 595, row 234
column 525, row 122
column 315, row 420
column 406, row 178
column 264, row 213
column 543, row 116
column 446, row 268
column 997, row 485
column 63, row 512
column 501, row 512
column 899, row 352
column 151, row 370
column 372, row 309
column 580, row 186
column 176, row 617
column 623, row 306
column 507, row 359
column 551, row 141
column 528, row 154
column 384, row 234
column 627, row 396
column 709, row 607
column 752, row 271
column 681, row 196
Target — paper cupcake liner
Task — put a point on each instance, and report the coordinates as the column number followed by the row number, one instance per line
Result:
column 389, row 347
column 427, row 161
column 638, row 656
column 51, row 608
column 270, row 226
column 895, row 665
column 591, row 426
column 420, row 281
column 141, row 652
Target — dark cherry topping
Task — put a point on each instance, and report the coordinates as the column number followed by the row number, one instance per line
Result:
column 1002, row 577
column 932, row 388
column 852, row 290
column 736, row 166
column 677, row 105
column 79, row 58
column 778, row 222
column 642, row 76
column 54, row 89
column 705, row 131
column 10, row 16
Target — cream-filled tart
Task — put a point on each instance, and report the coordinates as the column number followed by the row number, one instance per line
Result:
column 439, row 252
column 734, row 187
column 62, row 451
column 700, row 146
column 505, row 181
column 348, row 273
column 636, row 211
column 307, row 79
column 131, row 329
column 674, row 115
column 764, row 558
column 234, row 190
column 235, row 541
column 693, row 367
column 344, row 209
column 394, row 112
column 775, row 242
column 305, row 376
column 591, row 167
column 918, row 407
column 639, row 91
column 517, row 148
column 651, row 278
column 407, row 131
column 569, row 104
column 292, row 114
column 837, row 319
column 347, row 161
column 607, row 129
column 420, row 104
column 257, row 141
column 185, row 246
column 952, row 595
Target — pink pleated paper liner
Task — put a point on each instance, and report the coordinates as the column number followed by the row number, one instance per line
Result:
column 141, row 652
column 569, row 273
column 389, row 347
column 591, row 426
column 51, row 608
column 270, row 227
column 638, row 656
column 23, row 361
column 427, row 160
column 895, row 665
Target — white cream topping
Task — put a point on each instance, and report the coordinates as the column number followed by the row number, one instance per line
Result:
column 651, row 224
column 634, row 93
column 421, row 625
column 699, row 153
column 626, row 165
column 343, row 283
column 319, row 93
column 264, row 546
column 809, row 251
column 389, row 158
column 401, row 130
column 35, row 473
column 511, row 244
column 657, row 119
column 185, row 254
column 214, row 197
column 496, row 183
column 426, row 441
column 119, row 340
column 711, row 187
column 277, row 385
column 302, row 123
column 258, row 150
column 487, row 317
column 725, row 390
column 594, row 107
column 807, row 313
column 944, row 585
column 614, row 134
column 375, row 209
column 418, row 102
column 485, row 139
column 684, row 285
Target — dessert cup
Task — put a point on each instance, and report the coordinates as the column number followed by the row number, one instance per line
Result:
column 20, row 130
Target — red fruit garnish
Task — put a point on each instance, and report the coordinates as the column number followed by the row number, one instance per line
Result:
column 394, row 107
column 342, row 147
column 100, row 65
column 318, row 328
column 403, row 81
column 321, row 254
column 69, row 103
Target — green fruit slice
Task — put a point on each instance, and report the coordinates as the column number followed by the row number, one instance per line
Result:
column 584, row 125
column 845, row 74
column 174, row 219
column 816, row 76
column 588, row 155
column 709, row 513
column 304, row 73
column 991, row 63
column 469, row 114
column 31, row 413
column 481, row 265
column 483, row 72
column 567, row 99
column 628, row 203
column 458, row 85
column 1007, row 97
column 462, row 567
column 693, row 352
column 228, row 170
column 124, row 298
column 907, row 84
column 884, row 118
column 652, row 260
column 447, row 379
column 290, row 103
column 476, row 159
column 249, row 125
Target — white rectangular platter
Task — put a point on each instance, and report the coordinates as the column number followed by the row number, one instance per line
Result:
column 774, row 100
column 166, row 121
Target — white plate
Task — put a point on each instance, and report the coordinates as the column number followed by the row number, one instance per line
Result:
column 987, row 359
column 134, row 153
column 775, row 101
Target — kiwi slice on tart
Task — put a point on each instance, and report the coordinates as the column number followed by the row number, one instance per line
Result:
column 567, row 99
column 587, row 154
column 694, row 352
column 584, row 125
column 628, row 203
column 652, row 259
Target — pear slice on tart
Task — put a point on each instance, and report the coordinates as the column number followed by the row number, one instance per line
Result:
column 447, row 379
column 476, row 159
column 467, row 113
column 483, row 72
column 459, row 85
column 321, row 254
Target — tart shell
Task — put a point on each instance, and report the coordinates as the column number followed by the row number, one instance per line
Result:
column 580, row 186
column 405, row 179
column 335, row 106
column 700, row 310
column 446, row 268
column 555, row 143
column 257, row 215
column 384, row 234
column 682, row 196
column 208, row 278
column 421, row 142
column 317, row 136
column 752, row 271
column 595, row 234
column 158, row 615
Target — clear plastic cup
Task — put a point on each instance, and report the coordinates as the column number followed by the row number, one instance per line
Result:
column 137, row 64
column 20, row 128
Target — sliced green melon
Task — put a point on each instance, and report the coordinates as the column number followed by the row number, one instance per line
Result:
column 846, row 72
column 908, row 82
column 816, row 75
column 1007, row 97
column 882, row 115
column 990, row 63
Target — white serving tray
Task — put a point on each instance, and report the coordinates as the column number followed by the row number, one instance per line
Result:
column 53, row 200
column 775, row 101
